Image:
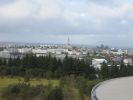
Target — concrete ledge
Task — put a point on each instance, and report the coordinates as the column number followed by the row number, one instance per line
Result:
column 114, row 89
column 93, row 92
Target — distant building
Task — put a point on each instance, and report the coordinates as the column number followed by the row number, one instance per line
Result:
column 117, row 52
column 25, row 50
column 97, row 63
column 127, row 61
column 39, row 52
column 117, row 59
column 68, row 45
column 4, row 54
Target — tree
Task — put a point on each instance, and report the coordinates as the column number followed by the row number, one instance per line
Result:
column 114, row 71
column 4, row 62
column 123, row 69
column 104, row 73
column 0, row 61
column 10, row 62
column 56, row 94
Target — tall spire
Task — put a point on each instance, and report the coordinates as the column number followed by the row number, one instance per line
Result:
column 68, row 41
column 68, row 45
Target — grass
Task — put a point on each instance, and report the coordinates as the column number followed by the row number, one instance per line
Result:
column 5, row 81
column 71, row 93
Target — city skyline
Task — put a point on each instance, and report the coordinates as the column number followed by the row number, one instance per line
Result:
column 89, row 22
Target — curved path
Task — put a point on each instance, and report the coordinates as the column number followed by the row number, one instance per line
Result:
column 115, row 89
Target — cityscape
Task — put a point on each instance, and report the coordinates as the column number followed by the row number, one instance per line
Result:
column 98, row 54
column 66, row 50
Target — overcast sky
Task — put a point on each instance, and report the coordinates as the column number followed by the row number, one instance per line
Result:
column 89, row 22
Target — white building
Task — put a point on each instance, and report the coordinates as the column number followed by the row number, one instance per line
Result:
column 59, row 51
column 4, row 54
column 97, row 63
column 118, row 52
column 105, row 51
column 127, row 61
column 39, row 52
column 53, row 51
column 25, row 50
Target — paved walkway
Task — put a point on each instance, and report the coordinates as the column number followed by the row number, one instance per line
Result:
column 116, row 89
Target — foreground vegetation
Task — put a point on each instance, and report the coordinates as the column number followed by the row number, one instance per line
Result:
column 49, row 67
column 24, row 91
column 67, row 88
column 46, row 67
column 7, row 83
column 45, row 78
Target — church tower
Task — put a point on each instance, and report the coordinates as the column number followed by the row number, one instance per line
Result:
column 68, row 45
column 68, row 41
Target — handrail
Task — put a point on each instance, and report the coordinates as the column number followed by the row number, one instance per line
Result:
column 93, row 92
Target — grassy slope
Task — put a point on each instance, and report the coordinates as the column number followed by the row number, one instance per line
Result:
column 71, row 93
column 5, row 81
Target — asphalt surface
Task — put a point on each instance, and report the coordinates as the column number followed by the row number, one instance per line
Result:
column 116, row 89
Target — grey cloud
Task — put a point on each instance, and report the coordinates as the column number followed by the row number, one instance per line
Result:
column 6, row 1
column 80, row 27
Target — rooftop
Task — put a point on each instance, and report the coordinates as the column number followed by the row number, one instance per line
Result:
column 116, row 89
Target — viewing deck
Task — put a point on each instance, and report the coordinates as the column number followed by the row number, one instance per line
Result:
column 115, row 89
